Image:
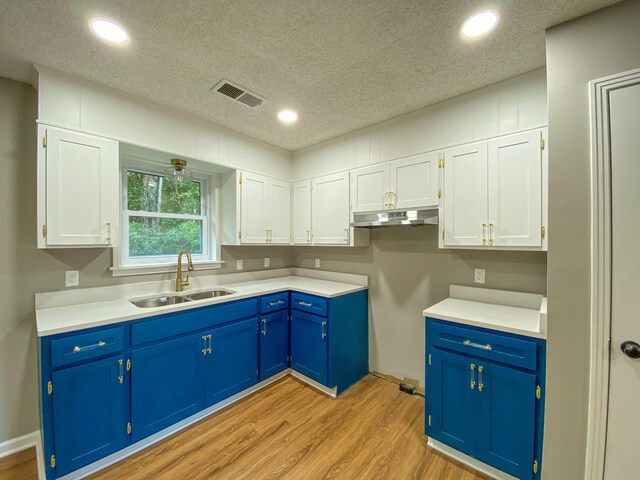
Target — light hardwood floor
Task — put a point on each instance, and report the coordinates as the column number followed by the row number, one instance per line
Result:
column 291, row 431
column 20, row 466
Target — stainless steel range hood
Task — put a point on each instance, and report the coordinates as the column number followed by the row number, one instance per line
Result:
column 413, row 218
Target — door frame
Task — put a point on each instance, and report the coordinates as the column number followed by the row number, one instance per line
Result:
column 599, row 90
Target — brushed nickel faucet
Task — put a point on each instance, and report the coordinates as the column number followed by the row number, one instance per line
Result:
column 180, row 283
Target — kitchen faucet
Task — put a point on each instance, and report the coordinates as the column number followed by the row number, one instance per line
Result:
column 179, row 281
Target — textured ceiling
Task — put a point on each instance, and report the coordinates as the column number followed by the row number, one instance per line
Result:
column 342, row 64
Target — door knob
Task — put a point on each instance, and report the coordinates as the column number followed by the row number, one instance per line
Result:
column 630, row 349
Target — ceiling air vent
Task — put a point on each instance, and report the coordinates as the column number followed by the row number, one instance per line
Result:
column 239, row 94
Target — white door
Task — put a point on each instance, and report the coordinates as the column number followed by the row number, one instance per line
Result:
column 515, row 190
column 81, row 186
column 302, row 212
column 465, row 195
column 370, row 188
column 621, row 459
column 253, row 208
column 414, row 181
column 330, row 213
column 279, row 206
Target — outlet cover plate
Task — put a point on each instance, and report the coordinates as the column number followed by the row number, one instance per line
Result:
column 239, row 265
column 72, row 278
column 478, row 275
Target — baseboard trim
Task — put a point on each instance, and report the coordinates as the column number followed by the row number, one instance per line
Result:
column 332, row 392
column 469, row 461
column 167, row 432
column 15, row 445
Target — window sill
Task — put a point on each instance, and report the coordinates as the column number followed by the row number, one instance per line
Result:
column 129, row 270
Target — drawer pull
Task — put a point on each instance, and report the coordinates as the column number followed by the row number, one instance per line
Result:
column 469, row 343
column 480, row 384
column 324, row 334
column 305, row 304
column 120, row 371
column 78, row 349
column 264, row 326
column 472, row 382
column 209, row 342
column 279, row 302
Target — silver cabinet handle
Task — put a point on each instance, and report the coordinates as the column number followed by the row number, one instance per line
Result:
column 120, row 371
column 480, row 384
column 469, row 343
column 392, row 201
column 324, row 333
column 78, row 349
column 209, row 339
column 204, row 345
column 346, row 234
column 308, row 236
column 491, row 234
column 472, row 381
column 108, row 232
column 264, row 326
column 273, row 304
column 484, row 233
column 305, row 304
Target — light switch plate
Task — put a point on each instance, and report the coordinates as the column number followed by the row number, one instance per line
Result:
column 267, row 262
column 317, row 263
column 478, row 276
column 72, row 278
column 239, row 264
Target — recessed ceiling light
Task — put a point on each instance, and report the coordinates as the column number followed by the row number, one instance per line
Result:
column 480, row 23
column 287, row 116
column 108, row 30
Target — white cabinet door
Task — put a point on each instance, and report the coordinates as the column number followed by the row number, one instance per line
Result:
column 279, row 206
column 465, row 195
column 253, row 208
column 330, row 217
column 81, row 186
column 515, row 190
column 414, row 181
column 369, row 189
column 302, row 212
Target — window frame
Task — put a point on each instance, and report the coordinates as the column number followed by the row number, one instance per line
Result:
column 123, row 264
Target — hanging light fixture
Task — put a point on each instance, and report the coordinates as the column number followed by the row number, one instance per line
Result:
column 178, row 172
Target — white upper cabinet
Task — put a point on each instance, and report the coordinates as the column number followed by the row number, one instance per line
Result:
column 493, row 193
column 465, row 195
column 515, row 190
column 265, row 210
column 302, row 213
column 370, row 188
column 77, row 189
column 330, row 200
column 413, row 181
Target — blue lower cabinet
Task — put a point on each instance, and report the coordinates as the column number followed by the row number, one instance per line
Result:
column 487, row 404
column 274, row 343
column 167, row 383
column 506, row 418
column 90, row 412
column 231, row 360
column 453, row 402
column 309, row 345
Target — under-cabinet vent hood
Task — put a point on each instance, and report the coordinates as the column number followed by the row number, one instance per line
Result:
column 413, row 218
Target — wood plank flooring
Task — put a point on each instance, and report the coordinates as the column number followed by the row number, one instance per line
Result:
column 19, row 466
column 291, row 431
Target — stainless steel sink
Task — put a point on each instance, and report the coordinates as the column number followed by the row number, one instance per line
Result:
column 161, row 301
column 220, row 292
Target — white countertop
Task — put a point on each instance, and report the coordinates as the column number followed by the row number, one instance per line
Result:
column 520, row 313
column 69, row 317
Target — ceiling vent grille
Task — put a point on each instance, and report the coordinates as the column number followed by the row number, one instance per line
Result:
column 239, row 94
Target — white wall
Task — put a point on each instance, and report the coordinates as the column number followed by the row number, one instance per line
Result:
column 74, row 103
column 507, row 107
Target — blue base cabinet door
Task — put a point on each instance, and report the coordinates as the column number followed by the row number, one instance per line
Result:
column 454, row 402
column 90, row 412
column 231, row 360
column 274, row 343
column 506, row 418
column 167, row 384
column 309, row 345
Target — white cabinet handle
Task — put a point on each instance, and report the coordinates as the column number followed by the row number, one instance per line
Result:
column 491, row 234
column 308, row 236
column 346, row 235
column 108, row 232
column 484, row 233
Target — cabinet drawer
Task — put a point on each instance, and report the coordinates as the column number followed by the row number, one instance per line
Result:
column 309, row 303
column 481, row 343
column 273, row 303
column 86, row 346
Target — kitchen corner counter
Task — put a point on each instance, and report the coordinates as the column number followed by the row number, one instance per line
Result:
column 512, row 312
column 60, row 312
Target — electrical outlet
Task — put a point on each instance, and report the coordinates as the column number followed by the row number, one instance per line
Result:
column 71, row 278
column 478, row 276
column 317, row 263
column 267, row 262
column 239, row 264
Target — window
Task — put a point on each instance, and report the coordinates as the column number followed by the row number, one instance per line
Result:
column 161, row 217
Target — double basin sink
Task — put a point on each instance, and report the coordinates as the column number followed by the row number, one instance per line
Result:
column 166, row 300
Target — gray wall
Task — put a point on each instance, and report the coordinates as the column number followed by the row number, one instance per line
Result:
column 407, row 273
column 590, row 47
column 25, row 270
